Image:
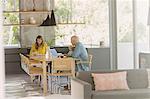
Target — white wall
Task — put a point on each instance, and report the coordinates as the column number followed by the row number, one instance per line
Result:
column 2, row 77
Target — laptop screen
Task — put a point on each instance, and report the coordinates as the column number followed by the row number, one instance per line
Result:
column 54, row 53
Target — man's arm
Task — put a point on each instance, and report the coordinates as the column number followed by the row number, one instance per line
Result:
column 76, row 51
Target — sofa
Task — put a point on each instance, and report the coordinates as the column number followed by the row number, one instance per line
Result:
column 82, row 87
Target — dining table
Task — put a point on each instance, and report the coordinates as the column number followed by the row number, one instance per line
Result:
column 45, row 60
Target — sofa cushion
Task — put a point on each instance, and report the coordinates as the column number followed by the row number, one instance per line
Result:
column 136, row 78
column 110, row 81
column 122, row 94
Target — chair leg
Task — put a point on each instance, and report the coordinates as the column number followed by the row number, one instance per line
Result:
column 41, row 84
column 69, row 83
column 39, row 79
column 53, row 84
column 32, row 78
column 59, row 86
column 50, row 84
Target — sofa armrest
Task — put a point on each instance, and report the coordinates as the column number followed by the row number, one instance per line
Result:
column 80, row 89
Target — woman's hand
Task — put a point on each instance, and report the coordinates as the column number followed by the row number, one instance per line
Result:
column 34, row 53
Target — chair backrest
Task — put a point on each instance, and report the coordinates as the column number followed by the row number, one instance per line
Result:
column 63, row 64
column 90, row 60
column 25, row 63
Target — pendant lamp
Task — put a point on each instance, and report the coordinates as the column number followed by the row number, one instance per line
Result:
column 50, row 21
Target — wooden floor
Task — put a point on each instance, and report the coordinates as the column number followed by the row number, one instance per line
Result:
column 16, row 89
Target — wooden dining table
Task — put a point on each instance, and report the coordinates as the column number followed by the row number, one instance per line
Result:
column 44, row 60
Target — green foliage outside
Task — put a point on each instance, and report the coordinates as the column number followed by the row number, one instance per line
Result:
column 11, row 33
column 63, row 11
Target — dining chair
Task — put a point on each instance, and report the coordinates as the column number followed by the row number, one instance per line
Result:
column 89, row 61
column 61, row 68
column 31, row 67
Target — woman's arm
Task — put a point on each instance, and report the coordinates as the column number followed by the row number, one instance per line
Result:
column 32, row 51
column 46, row 47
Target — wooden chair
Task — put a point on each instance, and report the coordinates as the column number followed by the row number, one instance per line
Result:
column 89, row 61
column 29, row 66
column 61, row 67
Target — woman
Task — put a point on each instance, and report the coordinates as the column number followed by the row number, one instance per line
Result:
column 39, row 47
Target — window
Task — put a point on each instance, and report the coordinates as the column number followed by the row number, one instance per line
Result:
column 90, row 21
column 11, row 32
column 128, row 48
column 125, row 34
column 142, row 29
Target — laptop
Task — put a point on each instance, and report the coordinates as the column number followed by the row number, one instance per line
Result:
column 54, row 53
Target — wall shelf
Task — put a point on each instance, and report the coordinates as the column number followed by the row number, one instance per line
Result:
column 20, row 24
column 26, row 12
column 69, row 23
column 39, row 24
column 36, row 12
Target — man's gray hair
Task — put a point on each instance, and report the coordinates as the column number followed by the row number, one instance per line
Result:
column 75, row 38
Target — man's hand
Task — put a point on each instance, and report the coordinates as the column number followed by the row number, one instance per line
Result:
column 71, row 47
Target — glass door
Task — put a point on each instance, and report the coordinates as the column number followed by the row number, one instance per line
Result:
column 125, row 53
column 142, row 29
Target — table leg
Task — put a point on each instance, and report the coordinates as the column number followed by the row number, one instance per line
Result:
column 73, row 68
column 44, row 79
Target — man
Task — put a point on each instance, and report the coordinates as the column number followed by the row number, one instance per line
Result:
column 77, row 50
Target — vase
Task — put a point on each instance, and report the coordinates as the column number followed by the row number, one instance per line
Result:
column 32, row 20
